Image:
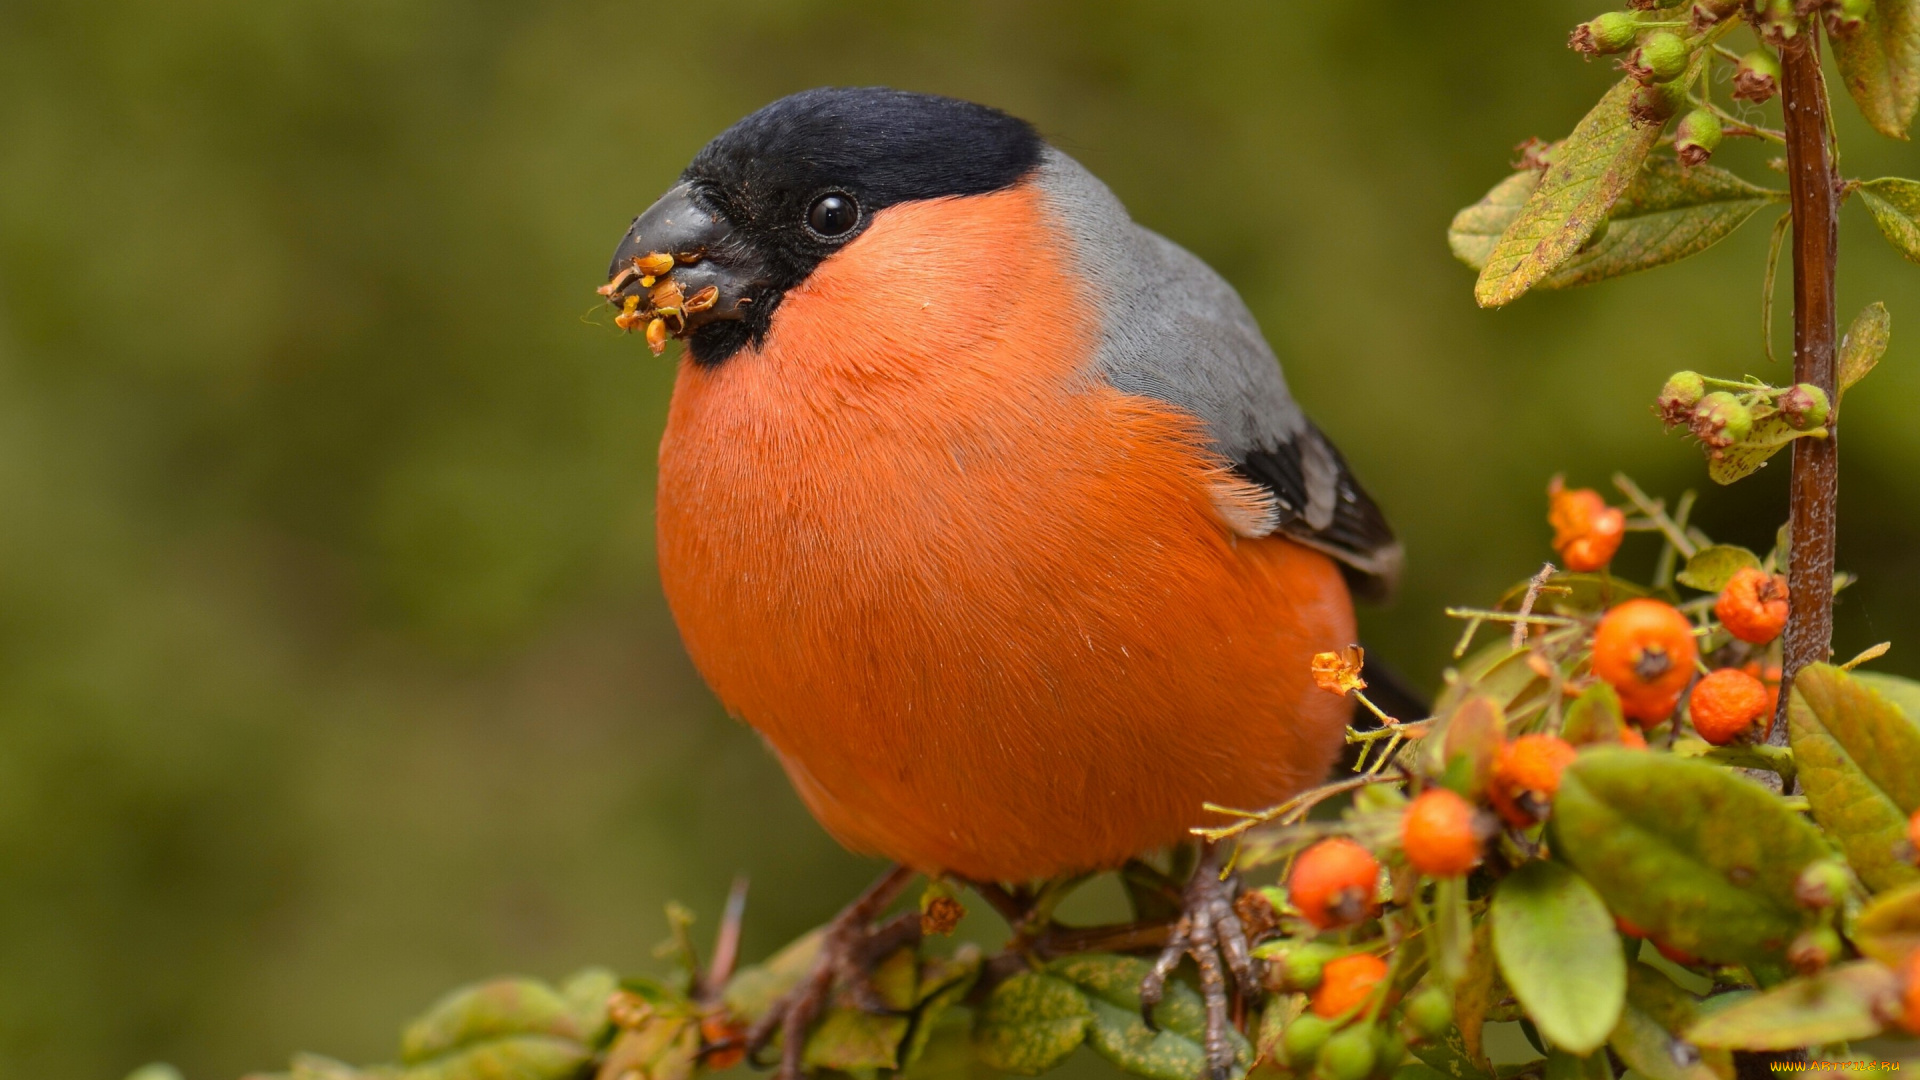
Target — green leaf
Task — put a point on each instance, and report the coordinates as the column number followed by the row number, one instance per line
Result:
column 586, row 993
column 1859, row 761
column 1475, row 231
column 1475, row 994
column 1474, row 732
column 1594, row 716
column 753, row 990
column 1665, row 215
column 1880, row 63
column 943, row 982
column 1888, row 930
column 1771, row 433
column 1589, row 172
column 517, row 1057
column 1895, row 205
column 316, row 1067
column 1712, row 567
column 850, row 1037
column 1560, row 954
column 1111, row 985
column 1030, row 1023
column 1645, row 1038
column 1835, row 1006
column 1564, row 1066
column 488, row 1010
column 156, row 1071
column 1701, row 859
column 1864, row 344
column 664, row 1047
column 1904, row 693
column 1448, row 1056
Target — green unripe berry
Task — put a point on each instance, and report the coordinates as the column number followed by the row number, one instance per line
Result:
column 1348, row 1055
column 1721, row 419
column 1814, row 950
column 1757, row 78
column 1696, row 137
column 1823, row 884
column 1389, row 1051
column 1677, row 399
column 1805, row 406
column 1430, row 1012
column 1303, row 1040
column 1300, row 965
column 1604, row 34
column 1848, row 16
column 1662, row 57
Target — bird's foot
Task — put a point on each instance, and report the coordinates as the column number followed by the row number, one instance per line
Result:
column 1211, row 932
column 849, row 949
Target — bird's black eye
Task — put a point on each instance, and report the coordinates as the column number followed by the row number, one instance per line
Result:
column 833, row 214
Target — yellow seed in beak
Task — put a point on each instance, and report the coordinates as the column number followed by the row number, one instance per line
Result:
column 657, row 336
column 654, row 264
column 703, row 299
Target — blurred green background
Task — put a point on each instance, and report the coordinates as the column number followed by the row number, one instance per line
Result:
column 333, row 668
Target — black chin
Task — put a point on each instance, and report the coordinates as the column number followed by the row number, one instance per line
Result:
column 716, row 342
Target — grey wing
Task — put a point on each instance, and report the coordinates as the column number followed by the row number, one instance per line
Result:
column 1174, row 330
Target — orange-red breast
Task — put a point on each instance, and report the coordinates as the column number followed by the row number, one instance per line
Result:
column 986, row 506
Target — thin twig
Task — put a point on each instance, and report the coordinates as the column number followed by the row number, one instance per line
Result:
column 1526, row 605
column 1294, row 808
column 1510, row 617
column 1657, row 513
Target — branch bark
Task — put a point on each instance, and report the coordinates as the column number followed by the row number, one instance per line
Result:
column 1814, row 184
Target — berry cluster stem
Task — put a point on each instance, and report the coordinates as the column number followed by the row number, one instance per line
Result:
column 1815, row 188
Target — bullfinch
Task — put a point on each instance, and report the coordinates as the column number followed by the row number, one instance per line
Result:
column 987, row 507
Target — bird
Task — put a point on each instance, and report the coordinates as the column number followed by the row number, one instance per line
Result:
column 987, row 507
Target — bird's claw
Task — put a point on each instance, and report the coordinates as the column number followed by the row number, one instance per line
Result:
column 849, row 949
column 1210, row 931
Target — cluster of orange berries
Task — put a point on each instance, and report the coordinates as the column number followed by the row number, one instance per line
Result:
column 1586, row 531
column 1645, row 650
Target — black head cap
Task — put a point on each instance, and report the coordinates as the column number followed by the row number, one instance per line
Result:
column 805, row 175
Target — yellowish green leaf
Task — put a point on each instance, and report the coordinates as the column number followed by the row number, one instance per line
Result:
column 1589, row 172
column 1880, row 63
column 1836, row 1006
column 1771, row 433
column 1864, row 344
column 516, row 1057
column 850, row 1037
column 1888, row 930
column 488, row 1010
column 1030, row 1023
column 1711, row 568
column 1895, row 205
column 1859, row 762
column 1703, row 860
column 1111, row 985
column 1475, row 230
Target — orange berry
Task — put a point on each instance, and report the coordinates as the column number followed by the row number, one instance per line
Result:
column 1346, row 983
column 1334, row 883
column 1910, row 994
column 1645, row 648
column 1727, row 704
column 1526, row 773
column 1631, row 738
column 1753, row 606
column 1651, row 707
column 1440, row 834
column 1586, row 531
column 724, row 1041
column 1913, row 830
